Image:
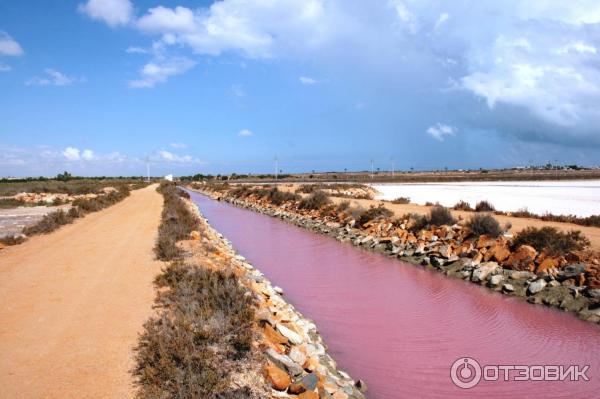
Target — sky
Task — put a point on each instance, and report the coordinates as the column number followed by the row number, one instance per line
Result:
column 98, row 87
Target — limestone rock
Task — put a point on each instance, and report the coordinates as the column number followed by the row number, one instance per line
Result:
column 482, row 272
column 278, row 378
column 522, row 259
column 536, row 286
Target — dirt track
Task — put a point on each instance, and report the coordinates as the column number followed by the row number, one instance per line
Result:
column 73, row 302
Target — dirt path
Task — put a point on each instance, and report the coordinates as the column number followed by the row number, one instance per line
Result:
column 73, row 302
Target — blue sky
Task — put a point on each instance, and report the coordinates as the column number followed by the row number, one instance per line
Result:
column 96, row 87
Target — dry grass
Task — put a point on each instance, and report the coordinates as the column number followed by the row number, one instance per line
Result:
column 316, row 200
column 194, row 345
column 177, row 222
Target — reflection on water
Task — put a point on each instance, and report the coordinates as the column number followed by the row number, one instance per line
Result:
column 400, row 327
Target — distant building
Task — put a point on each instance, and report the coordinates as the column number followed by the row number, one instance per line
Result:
column 169, row 177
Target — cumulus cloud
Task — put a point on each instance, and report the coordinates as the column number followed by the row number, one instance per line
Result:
column 539, row 57
column 9, row 46
column 308, row 81
column 169, row 157
column 52, row 78
column 245, row 133
column 159, row 71
column 75, row 154
column 113, row 12
column 439, row 131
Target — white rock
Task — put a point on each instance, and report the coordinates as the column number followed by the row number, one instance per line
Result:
column 536, row 286
column 484, row 270
column 278, row 290
column 297, row 355
column 496, row 280
column 294, row 338
column 508, row 287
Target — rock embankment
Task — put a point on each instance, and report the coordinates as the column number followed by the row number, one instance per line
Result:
column 297, row 364
column 567, row 282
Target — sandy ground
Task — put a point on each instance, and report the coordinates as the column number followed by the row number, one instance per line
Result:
column 593, row 233
column 73, row 302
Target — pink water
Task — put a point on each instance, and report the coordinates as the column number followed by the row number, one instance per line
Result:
column 400, row 327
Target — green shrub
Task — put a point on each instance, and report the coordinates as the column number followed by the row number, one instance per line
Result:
column 342, row 206
column 440, row 215
column 551, row 240
column 316, row 200
column 485, row 224
column 415, row 221
column 484, row 206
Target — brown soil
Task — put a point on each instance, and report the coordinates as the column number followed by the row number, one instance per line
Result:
column 73, row 302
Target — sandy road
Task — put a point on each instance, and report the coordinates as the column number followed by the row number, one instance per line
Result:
column 73, row 302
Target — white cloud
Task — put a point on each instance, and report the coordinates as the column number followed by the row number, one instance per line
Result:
column 71, row 153
column 250, row 27
column 9, row 46
column 439, row 131
column 87, row 155
column 136, row 50
column 178, row 145
column 169, row 157
column 75, row 154
column 159, row 71
column 245, row 133
column 4, row 68
column 52, row 78
column 308, row 81
column 113, row 12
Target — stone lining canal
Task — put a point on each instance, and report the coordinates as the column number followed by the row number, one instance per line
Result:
column 400, row 327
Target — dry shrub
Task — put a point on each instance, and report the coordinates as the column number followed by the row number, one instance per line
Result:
column 277, row 197
column 49, row 223
column 13, row 240
column 176, row 224
column 401, row 200
column 342, row 206
column 316, row 200
column 415, row 221
column 485, row 224
column 192, row 348
column 440, row 215
column 374, row 213
column 551, row 240
column 484, row 206
column 462, row 206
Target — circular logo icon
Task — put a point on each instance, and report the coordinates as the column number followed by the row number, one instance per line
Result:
column 465, row 372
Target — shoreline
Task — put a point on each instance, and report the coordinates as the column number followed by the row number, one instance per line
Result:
column 546, row 290
column 298, row 364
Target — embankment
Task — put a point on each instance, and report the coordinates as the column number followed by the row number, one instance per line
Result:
column 233, row 333
column 566, row 282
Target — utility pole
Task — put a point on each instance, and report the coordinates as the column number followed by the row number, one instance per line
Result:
column 393, row 167
column 148, row 168
column 276, row 168
column 372, row 171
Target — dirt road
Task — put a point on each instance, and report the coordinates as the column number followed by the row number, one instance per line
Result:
column 73, row 302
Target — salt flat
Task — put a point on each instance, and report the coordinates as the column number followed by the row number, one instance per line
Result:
column 576, row 197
